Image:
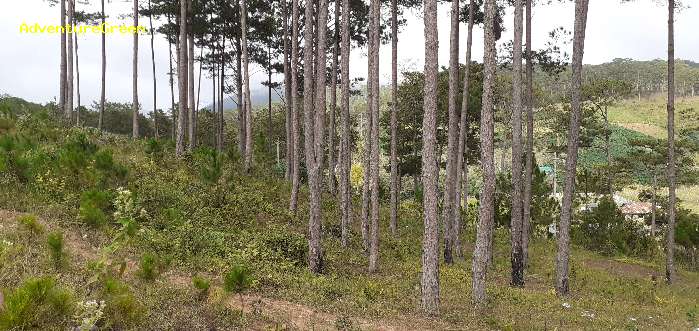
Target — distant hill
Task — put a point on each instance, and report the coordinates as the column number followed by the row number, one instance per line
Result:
column 259, row 98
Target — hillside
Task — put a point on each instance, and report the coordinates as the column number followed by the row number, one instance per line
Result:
column 139, row 225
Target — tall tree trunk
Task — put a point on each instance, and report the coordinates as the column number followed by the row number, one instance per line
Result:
column 77, row 74
column 214, row 97
column 313, row 118
column 246, row 85
column 529, row 162
column 172, row 83
column 241, row 103
column 63, row 76
column 196, row 108
column 486, row 206
column 374, row 170
column 462, row 164
column 192, row 133
column 671, row 171
column 221, row 95
column 287, row 92
column 269, row 99
column 100, row 118
column 134, row 102
column 152, row 57
column 516, row 225
column 333, row 103
column 69, row 67
column 453, row 135
column 295, row 129
column 563, row 255
column 182, row 80
column 345, row 145
column 394, row 119
column 430, row 172
column 366, row 166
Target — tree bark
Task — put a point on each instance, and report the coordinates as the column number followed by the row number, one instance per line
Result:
column 269, row 99
column 63, row 79
column 77, row 74
column 563, row 254
column 394, row 119
column 345, row 155
column 69, row 82
column 287, row 92
column 486, row 207
column 366, row 185
column 462, row 165
column 171, row 75
column 134, row 102
column 453, row 134
column 529, row 162
column 516, row 226
column 296, row 155
column 100, row 118
column 332, row 178
column 222, row 92
column 374, row 170
column 430, row 172
column 182, row 80
column 191, row 128
column 246, row 86
column 155, row 82
column 313, row 130
column 670, row 272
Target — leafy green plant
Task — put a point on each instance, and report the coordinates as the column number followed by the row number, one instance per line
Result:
column 93, row 204
column 121, row 310
column 237, row 281
column 56, row 248
column 149, row 266
column 154, row 149
column 31, row 224
column 202, row 284
column 38, row 303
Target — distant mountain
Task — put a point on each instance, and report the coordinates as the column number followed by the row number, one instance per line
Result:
column 259, row 98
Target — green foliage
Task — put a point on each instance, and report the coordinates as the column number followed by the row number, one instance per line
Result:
column 122, row 310
column 604, row 229
column 154, row 149
column 202, row 284
column 237, row 280
column 148, row 266
column 31, row 224
column 209, row 163
column 93, row 204
column 38, row 303
column 56, row 248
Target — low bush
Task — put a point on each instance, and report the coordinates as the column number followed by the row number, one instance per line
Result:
column 31, row 224
column 38, row 303
column 55, row 243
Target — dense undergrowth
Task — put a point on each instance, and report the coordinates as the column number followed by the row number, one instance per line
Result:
column 128, row 237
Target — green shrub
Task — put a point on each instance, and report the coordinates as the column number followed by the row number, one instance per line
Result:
column 209, row 165
column 154, row 148
column 149, row 266
column 38, row 303
column 122, row 310
column 93, row 204
column 55, row 242
column 202, row 284
column 31, row 224
column 237, row 280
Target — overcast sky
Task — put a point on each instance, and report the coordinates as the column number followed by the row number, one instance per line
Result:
column 30, row 67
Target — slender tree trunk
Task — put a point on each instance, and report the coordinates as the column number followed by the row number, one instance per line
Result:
column 241, row 103
column 333, row 103
column 182, row 80
column 172, row 84
column 430, row 172
column 269, row 99
column 462, row 165
column 563, row 255
column 516, row 226
column 450, row 209
column 100, row 118
column 190, row 80
column 287, row 92
column 134, row 103
column 366, row 185
column 197, row 104
column 670, row 272
column 77, row 74
column 345, row 155
column 296, row 154
column 63, row 66
column 155, row 82
column 374, row 170
column 313, row 130
column 246, row 86
column 529, row 162
column 486, row 207
column 69, row 69
column 221, row 96
column 394, row 119
column 214, row 110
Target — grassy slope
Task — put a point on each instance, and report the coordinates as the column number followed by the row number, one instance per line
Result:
column 650, row 117
column 620, row 293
